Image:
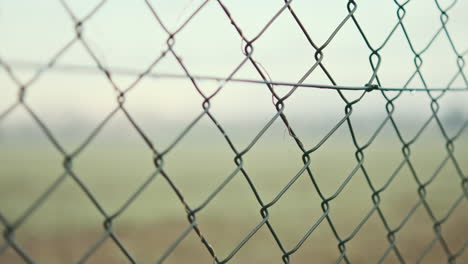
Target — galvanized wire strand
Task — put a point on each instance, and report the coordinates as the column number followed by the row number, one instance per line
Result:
column 81, row 69
column 422, row 199
column 265, row 80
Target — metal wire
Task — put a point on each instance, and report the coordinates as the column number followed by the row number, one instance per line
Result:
column 373, row 84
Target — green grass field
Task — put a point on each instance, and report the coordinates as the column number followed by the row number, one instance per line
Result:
column 67, row 223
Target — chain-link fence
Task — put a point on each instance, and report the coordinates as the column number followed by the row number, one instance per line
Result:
column 375, row 185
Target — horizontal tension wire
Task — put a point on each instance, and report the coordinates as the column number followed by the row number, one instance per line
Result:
column 24, row 65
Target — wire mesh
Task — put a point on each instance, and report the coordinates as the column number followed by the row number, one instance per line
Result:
column 372, row 85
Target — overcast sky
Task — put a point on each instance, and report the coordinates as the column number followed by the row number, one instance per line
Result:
column 125, row 34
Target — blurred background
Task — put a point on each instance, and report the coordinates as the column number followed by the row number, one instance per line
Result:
column 72, row 98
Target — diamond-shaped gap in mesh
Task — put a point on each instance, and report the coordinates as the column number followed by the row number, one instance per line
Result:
column 312, row 114
column 132, row 42
column 382, row 157
column 152, row 222
column 291, row 56
column 337, row 149
column 415, row 234
column 411, row 110
column 71, row 105
column 376, row 20
column 273, row 163
column 252, row 17
column 63, row 227
column 243, row 109
column 421, row 22
column 396, row 62
column 444, row 190
column 40, row 30
column 216, row 55
column 398, row 197
column 201, row 162
column 454, row 229
column 114, row 163
column 296, row 211
column 346, row 58
column 30, row 163
column 367, row 118
column 164, row 107
column 370, row 238
column 439, row 63
column 432, row 142
column 452, row 112
column 353, row 203
column 234, row 208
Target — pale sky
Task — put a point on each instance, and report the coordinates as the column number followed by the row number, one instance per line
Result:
column 124, row 34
